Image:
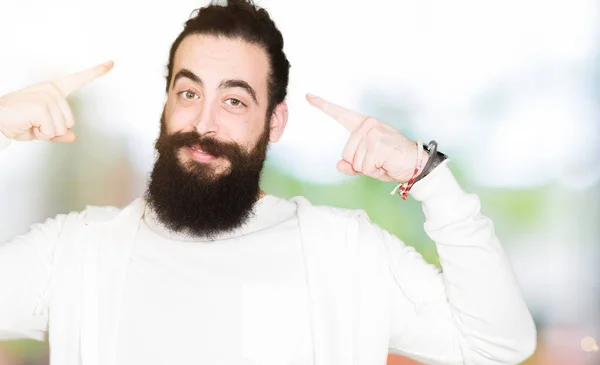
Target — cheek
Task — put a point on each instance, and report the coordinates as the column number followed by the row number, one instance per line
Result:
column 178, row 119
column 250, row 138
column 233, row 127
column 244, row 136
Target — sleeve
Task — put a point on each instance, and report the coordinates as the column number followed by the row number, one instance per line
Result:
column 471, row 313
column 25, row 270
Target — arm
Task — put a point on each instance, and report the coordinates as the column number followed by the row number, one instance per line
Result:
column 25, row 271
column 473, row 312
column 38, row 112
column 25, row 266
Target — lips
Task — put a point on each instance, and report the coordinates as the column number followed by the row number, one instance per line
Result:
column 200, row 155
column 197, row 148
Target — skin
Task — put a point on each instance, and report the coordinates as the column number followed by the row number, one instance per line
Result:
column 374, row 148
column 202, row 97
column 41, row 111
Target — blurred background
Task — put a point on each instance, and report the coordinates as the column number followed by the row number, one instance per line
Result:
column 510, row 90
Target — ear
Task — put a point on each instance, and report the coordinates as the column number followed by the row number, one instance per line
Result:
column 279, row 119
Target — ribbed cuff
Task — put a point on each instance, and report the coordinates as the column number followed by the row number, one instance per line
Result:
column 4, row 141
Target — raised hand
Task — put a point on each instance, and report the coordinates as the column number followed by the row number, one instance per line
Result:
column 374, row 148
column 41, row 111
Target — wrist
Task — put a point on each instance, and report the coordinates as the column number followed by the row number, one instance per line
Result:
column 404, row 187
column 426, row 157
column 435, row 158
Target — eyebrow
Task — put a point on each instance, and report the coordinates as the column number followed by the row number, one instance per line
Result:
column 225, row 84
column 185, row 73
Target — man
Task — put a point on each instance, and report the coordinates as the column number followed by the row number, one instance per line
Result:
column 208, row 269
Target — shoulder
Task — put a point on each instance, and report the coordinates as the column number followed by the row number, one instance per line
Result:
column 74, row 220
column 107, row 213
column 94, row 213
column 327, row 210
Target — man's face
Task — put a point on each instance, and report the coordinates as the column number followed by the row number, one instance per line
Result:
column 214, row 136
column 219, row 89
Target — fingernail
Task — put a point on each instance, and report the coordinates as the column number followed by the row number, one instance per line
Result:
column 311, row 95
column 108, row 64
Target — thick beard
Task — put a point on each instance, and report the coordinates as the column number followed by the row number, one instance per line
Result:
column 193, row 199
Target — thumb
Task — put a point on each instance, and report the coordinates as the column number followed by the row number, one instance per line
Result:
column 66, row 138
column 346, row 168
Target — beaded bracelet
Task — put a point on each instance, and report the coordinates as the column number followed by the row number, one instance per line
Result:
column 404, row 188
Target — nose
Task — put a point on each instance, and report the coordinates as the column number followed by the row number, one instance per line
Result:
column 206, row 119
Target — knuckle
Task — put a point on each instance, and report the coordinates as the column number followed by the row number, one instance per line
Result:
column 372, row 135
column 45, row 134
column 347, row 156
column 53, row 88
column 370, row 172
column 39, row 134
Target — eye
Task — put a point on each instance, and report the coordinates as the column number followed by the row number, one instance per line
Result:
column 234, row 102
column 188, row 94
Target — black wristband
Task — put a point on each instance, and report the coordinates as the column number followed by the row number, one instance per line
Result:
column 435, row 159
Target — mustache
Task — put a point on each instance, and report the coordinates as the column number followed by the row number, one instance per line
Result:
column 207, row 144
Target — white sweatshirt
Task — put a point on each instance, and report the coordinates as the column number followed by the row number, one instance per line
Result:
column 81, row 277
column 240, row 299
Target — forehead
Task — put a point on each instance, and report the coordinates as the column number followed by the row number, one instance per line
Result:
column 217, row 58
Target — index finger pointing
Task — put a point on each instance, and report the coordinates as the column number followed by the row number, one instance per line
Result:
column 347, row 118
column 70, row 83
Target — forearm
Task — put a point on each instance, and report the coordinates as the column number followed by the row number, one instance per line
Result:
column 25, row 268
column 481, row 288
